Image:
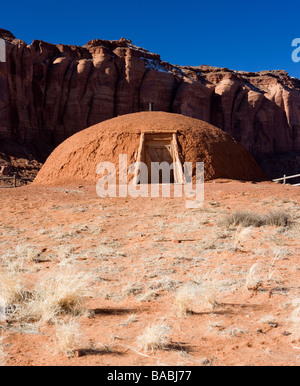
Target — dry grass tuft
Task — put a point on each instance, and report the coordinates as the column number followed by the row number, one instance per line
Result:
column 235, row 332
column 254, row 278
column 270, row 320
column 132, row 289
column 278, row 218
column 249, row 219
column 241, row 235
column 63, row 293
column 3, row 355
column 263, row 275
column 193, row 294
column 11, row 287
column 186, row 298
column 155, row 337
column 131, row 319
column 68, row 337
column 21, row 255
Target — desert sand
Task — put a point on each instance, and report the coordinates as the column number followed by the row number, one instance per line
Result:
column 211, row 293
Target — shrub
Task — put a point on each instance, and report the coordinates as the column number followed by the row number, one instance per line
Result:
column 68, row 337
column 155, row 337
column 63, row 293
column 249, row 219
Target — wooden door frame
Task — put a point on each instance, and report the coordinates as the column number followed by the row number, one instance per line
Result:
column 178, row 168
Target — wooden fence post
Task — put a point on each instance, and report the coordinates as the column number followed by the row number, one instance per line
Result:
column 15, row 180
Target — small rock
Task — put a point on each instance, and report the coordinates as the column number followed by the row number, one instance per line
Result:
column 286, row 333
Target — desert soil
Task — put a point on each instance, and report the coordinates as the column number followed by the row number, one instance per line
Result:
column 138, row 253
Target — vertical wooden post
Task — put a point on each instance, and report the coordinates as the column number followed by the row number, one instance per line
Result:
column 15, row 180
column 178, row 170
column 284, row 179
column 139, row 157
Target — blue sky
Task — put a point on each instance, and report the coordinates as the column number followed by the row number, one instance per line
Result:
column 241, row 35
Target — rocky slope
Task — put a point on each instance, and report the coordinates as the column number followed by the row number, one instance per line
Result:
column 49, row 92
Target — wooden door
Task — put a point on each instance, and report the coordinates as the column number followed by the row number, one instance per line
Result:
column 159, row 151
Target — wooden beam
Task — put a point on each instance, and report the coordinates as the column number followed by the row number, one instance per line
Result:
column 178, row 169
column 139, row 157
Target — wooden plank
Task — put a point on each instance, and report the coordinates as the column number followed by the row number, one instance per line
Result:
column 139, row 157
column 178, row 169
column 162, row 132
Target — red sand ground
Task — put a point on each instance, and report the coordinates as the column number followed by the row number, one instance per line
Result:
column 140, row 252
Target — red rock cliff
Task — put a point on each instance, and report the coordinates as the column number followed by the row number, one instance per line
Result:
column 49, row 92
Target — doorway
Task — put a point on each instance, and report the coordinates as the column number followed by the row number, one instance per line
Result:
column 160, row 148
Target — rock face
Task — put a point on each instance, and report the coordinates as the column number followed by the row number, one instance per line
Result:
column 49, row 92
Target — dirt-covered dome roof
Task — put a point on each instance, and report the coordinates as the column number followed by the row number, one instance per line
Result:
column 76, row 159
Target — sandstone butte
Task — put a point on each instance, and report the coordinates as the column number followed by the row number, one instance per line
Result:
column 50, row 92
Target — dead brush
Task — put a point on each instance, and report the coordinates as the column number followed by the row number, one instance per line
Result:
column 12, row 288
column 186, row 299
column 294, row 321
column 241, row 236
column 17, row 258
column 132, row 289
column 262, row 275
column 3, row 354
column 131, row 319
column 278, row 218
column 249, row 219
column 68, row 337
column 61, row 293
column 155, row 337
column 194, row 294
column 254, row 279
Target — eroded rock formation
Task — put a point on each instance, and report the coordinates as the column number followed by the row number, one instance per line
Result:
column 49, row 92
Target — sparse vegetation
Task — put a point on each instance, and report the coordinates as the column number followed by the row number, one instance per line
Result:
column 155, row 337
column 12, row 288
column 131, row 319
column 186, row 298
column 254, row 278
column 250, row 219
column 264, row 275
column 88, row 277
column 3, row 354
column 193, row 294
column 55, row 294
column 61, row 293
column 68, row 337
column 269, row 320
